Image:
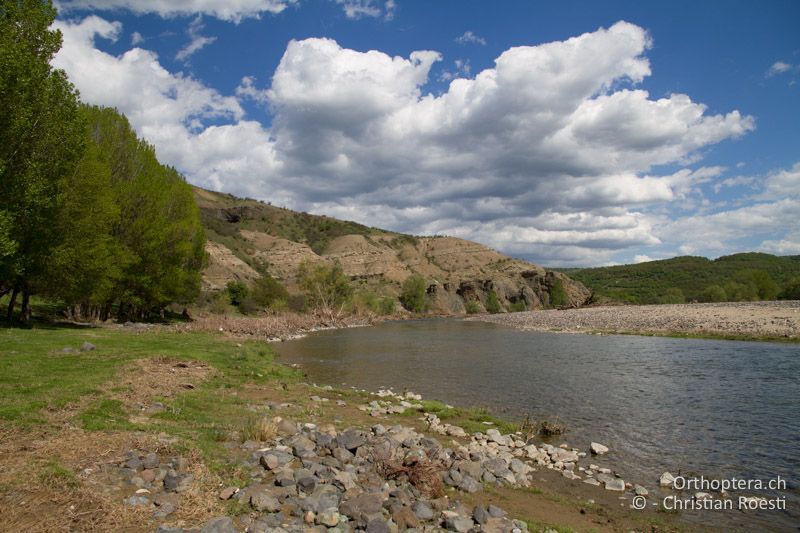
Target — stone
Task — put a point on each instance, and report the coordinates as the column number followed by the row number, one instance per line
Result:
column 223, row 524
column 286, row 428
column 264, row 501
column 461, row 524
column 178, row 482
column 363, row 504
column 598, row 449
column 324, row 497
column 87, row 347
column 348, row 480
column 640, row 491
column 328, row 517
column 480, row 515
column 351, row 440
column 137, row 501
column 378, row 525
column 666, row 479
column 227, row 493
column 495, row 512
column 150, row 461
column 591, row 481
column 148, row 476
column 301, row 444
column 615, row 484
column 134, row 463
column 405, row 518
column 469, row 485
column 164, row 510
column 307, row 484
column 605, row 478
column 422, row 510
column 517, row 466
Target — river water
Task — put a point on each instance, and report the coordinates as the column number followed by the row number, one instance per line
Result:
column 720, row 409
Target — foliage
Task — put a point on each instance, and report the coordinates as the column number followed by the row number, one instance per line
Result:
column 268, row 292
column 472, row 307
column 714, row 293
column 236, row 291
column 792, row 290
column 413, row 294
column 326, row 287
column 558, row 295
column 645, row 282
column 365, row 302
column 40, row 144
column 516, row 307
column 765, row 286
column 492, row 303
column 673, row 295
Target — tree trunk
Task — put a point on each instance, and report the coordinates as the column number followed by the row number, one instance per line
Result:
column 25, row 315
column 11, row 304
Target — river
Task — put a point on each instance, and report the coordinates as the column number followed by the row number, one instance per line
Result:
column 721, row 409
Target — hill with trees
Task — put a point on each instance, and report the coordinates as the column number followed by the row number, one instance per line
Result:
column 737, row 277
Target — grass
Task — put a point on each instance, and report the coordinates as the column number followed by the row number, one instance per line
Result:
column 56, row 476
column 470, row 419
column 105, row 415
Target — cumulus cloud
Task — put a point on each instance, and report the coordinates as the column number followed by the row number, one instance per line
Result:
column 469, row 37
column 196, row 39
column 136, row 38
column 779, row 67
column 548, row 155
column 231, row 10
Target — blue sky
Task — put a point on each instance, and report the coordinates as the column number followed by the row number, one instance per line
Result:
column 567, row 133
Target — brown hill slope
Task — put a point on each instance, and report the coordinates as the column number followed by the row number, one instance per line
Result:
column 247, row 236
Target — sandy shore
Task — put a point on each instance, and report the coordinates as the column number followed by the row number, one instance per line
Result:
column 756, row 320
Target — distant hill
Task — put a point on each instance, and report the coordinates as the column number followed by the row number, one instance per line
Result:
column 649, row 282
column 247, row 238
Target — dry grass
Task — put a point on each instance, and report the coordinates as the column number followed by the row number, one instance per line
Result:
column 424, row 474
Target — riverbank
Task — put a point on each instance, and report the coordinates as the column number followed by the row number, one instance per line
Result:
column 777, row 321
column 106, row 429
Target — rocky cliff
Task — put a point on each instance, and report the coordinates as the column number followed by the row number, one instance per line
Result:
column 246, row 237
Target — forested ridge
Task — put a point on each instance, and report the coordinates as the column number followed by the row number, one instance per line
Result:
column 88, row 216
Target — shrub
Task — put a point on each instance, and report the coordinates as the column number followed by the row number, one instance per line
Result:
column 237, row 291
column 473, row 307
column 548, row 428
column 558, row 295
column 762, row 284
column 516, row 307
column 268, row 292
column 413, row 294
column 492, row 303
column 714, row 293
column 673, row 295
column 792, row 290
column 326, row 287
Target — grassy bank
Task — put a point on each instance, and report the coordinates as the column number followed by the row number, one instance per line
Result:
column 65, row 412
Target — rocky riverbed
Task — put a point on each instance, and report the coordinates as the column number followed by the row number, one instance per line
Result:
column 380, row 479
column 756, row 320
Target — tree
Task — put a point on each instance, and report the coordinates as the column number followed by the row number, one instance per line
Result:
column 237, row 292
column 673, row 295
column 714, row 293
column 762, row 283
column 792, row 290
column 413, row 294
column 40, row 142
column 558, row 295
column 268, row 292
column 327, row 288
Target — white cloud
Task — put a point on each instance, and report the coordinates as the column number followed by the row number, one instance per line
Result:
column 549, row 154
column 470, row 37
column 779, row 67
column 231, row 10
column 461, row 69
column 356, row 9
column 136, row 38
column 640, row 258
column 196, row 39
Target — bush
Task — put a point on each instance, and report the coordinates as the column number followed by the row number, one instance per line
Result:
column 413, row 294
column 558, row 295
column 473, row 307
column 714, row 293
column 326, row 287
column 672, row 295
column 237, row 292
column 741, row 292
column 792, row 290
column 369, row 302
column 762, row 284
column 492, row 303
column 516, row 307
column 268, row 292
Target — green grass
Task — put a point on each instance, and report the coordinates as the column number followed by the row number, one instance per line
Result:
column 54, row 475
column 470, row 419
column 105, row 414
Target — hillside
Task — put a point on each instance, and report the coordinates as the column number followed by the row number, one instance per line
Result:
column 648, row 282
column 247, row 238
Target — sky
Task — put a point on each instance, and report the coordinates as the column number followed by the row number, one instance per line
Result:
column 568, row 133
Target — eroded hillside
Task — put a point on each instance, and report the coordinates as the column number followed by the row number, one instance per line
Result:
column 246, row 237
